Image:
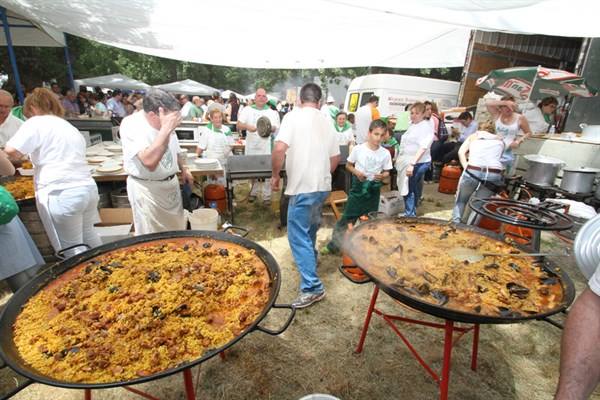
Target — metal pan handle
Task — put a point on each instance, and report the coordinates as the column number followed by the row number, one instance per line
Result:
column 285, row 326
column 235, row 228
column 61, row 253
column 16, row 390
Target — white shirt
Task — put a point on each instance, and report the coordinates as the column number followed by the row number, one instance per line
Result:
column 370, row 162
column 312, row 142
column 185, row 109
column 116, row 107
column 136, row 135
column 254, row 143
column 363, row 119
column 216, row 144
column 57, row 152
column 486, row 150
column 418, row 136
column 536, row 120
column 8, row 128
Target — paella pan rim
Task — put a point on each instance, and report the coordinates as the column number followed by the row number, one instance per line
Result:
column 462, row 316
column 10, row 354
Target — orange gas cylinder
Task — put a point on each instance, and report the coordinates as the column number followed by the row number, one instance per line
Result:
column 449, row 178
column 215, row 197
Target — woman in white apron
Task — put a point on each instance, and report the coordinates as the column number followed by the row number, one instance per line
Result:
column 511, row 126
column 20, row 259
column 216, row 141
column 66, row 194
column 343, row 128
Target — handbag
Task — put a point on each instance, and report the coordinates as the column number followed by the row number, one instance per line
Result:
column 442, row 132
column 8, row 206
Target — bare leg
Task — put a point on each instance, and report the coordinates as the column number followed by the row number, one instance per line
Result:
column 580, row 356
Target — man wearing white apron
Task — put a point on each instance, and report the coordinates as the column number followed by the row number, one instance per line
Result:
column 152, row 157
column 254, row 143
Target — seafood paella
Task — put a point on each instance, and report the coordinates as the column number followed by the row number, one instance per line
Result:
column 142, row 309
column 416, row 259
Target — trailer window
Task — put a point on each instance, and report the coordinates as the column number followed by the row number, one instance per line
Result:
column 364, row 99
column 353, row 102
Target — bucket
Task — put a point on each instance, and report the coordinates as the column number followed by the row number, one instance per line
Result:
column 319, row 396
column 204, row 219
column 214, row 197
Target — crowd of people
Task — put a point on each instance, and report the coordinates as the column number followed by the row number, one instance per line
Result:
column 306, row 139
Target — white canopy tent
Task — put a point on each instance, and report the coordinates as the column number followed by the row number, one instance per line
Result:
column 26, row 33
column 187, row 86
column 114, row 81
column 226, row 93
column 388, row 33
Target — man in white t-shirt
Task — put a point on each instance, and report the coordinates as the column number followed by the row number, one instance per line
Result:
column 256, row 144
column 579, row 354
column 152, row 157
column 308, row 143
column 363, row 116
column 9, row 124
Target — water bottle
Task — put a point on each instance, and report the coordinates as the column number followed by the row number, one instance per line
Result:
column 552, row 130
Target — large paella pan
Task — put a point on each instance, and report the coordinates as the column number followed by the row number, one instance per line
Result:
column 139, row 309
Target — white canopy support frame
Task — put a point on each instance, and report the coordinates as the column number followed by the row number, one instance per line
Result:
column 114, row 81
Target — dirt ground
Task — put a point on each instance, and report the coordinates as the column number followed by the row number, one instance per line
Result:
column 316, row 354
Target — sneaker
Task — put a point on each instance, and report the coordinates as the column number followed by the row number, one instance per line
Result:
column 307, row 299
column 251, row 199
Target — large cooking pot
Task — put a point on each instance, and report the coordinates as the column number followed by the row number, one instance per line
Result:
column 400, row 293
column 10, row 354
column 542, row 170
column 590, row 132
column 579, row 180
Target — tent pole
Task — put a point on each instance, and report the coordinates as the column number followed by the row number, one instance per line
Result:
column 68, row 62
column 11, row 54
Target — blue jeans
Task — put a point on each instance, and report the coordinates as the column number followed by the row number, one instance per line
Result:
column 304, row 217
column 469, row 185
column 415, row 188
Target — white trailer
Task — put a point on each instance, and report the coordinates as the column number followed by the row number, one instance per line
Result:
column 396, row 91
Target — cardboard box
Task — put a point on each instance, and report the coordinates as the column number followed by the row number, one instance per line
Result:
column 115, row 224
column 391, row 203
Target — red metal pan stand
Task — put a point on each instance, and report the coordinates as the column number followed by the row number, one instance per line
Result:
column 449, row 341
column 188, row 383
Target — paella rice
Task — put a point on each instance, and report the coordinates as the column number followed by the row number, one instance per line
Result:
column 141, row 310
column 21, row 188
column 415, row 258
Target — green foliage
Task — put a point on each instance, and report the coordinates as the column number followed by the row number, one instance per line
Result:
column 37, row 64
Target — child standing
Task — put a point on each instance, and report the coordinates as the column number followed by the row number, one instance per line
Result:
column 369, row 163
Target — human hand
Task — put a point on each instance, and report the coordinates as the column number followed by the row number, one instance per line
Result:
column 251, row 128
column 187, row 177
column 410, row 170
column 275, row 181
column 378, row 177
column 361, row 177
column 169, row 120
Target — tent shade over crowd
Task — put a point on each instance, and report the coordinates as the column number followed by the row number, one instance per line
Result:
column 114, row 81
column 188, row 86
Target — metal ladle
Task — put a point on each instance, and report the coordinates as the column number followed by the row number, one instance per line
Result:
column 472, row 256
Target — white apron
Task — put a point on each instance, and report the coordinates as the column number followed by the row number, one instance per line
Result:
column 42, row 198
column 402, row 164
column 256, row 144
column 156, row 205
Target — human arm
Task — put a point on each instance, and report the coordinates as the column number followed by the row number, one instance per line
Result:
column 243, row 123
column 151, row 155
column 6, row 167
column 186, row 175
column 277, row 158
column 13, row 153
column 493, row 106
column 579, row 356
